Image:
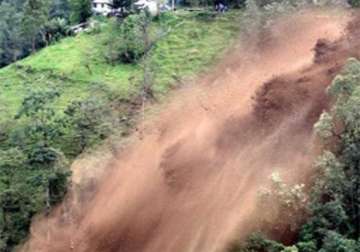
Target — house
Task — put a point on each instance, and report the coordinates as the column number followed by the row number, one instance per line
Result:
column 107, row 8
column 148, row 5
column 102, row 7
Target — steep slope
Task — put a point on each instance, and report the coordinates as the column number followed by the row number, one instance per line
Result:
column 86, row 99
column 190, row 183
column 77, row 65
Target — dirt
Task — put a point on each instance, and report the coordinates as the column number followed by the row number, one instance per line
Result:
column 191, row 182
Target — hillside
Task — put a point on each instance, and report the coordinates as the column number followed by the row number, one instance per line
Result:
column 193, row 43
column 200, row 129
column 193, row 181
column 66, row 98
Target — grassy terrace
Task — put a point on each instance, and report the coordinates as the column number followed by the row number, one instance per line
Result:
column 76, row 65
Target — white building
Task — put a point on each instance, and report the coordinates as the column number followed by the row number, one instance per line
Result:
column 106, row 7
column 102, row 7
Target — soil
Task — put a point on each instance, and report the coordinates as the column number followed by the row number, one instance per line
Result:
column 191, row 183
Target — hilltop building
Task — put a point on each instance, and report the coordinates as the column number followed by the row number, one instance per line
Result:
column 102, row 7
column 107, row 8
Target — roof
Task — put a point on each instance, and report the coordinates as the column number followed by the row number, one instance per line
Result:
column 103, row 1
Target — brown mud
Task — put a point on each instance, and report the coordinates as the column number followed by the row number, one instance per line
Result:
column 191, row 183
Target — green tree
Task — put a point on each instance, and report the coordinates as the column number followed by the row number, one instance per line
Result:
column 60, row 9
column 126, row 43
column 11, row 41
column 38, row 108
column 86, row 123
column 80, row 11
column 36, row 15
column 15, row 217
column 33, row 171
column 335, row 207
column 10, row 161
column 42, row 129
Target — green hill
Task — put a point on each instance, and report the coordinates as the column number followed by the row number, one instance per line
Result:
column 193, row 44
column 65, row 98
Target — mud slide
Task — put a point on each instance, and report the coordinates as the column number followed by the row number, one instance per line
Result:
column 191, row 183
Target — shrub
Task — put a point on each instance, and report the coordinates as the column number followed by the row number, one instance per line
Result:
column 56, row 29
column 126, row 43
column 86, row 123
column 257, row 242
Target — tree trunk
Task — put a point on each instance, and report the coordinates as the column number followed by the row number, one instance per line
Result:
column 43, row 35
column 14, row 56
column 33, row 45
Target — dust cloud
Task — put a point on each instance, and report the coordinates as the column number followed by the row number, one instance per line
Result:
column 191, row 183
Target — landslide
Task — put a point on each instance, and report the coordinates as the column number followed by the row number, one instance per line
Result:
column 191, row 182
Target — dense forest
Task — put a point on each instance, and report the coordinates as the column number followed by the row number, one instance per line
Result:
column 61, row 94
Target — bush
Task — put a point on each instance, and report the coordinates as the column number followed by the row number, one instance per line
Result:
column 86, row 124
column 33, row 173
column 126, row 42
column 56, row 29
column 257, row 242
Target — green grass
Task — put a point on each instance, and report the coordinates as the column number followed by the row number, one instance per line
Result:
column 192, row 45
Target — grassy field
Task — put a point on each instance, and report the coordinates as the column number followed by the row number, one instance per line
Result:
column 76, row 65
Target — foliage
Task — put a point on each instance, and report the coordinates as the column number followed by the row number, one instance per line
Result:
column 288, row 201
column 56, row 29
column 26, row 25
column 60, row 9
column 86, row 122
column 335, row 208
column 257, row 242
column 34, row 19
column 34, row 173
column 354, row 3
column 324, row 126
column 126, row 43
column 36, row 106
column 11, row 41
column 80, row 11
column 190, row 47
column 334, row 223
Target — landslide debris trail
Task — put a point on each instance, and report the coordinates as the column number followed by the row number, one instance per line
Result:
column 191, row 183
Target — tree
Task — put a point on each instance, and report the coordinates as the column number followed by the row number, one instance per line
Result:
column 38, row 107
column 33, row 170
column 40, row 134
column 126, row 44
column 80, row 11
column 335, row 205
column 29, row 24
column 11, row 41
column 15, row 217
column 86, row 123
column 10, row 161
column 60, row 9
column 36, row 15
